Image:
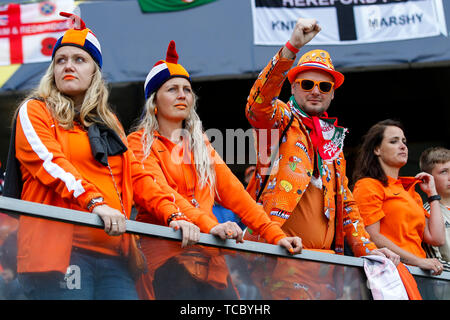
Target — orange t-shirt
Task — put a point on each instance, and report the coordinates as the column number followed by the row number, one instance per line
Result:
column 309, row 223
column 398, row 208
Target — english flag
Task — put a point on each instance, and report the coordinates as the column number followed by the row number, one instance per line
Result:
column 28, row 32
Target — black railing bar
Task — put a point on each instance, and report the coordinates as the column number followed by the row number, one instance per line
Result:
column 15, row 206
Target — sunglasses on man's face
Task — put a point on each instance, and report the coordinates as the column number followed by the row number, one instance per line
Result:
column 308, row 85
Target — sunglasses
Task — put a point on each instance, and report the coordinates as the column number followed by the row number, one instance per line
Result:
column 308, row 85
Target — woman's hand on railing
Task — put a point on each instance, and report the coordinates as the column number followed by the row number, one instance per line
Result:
column 292, row 244
column 432, row 264
column 190, row 232
column 228, row 230
column 114, row 220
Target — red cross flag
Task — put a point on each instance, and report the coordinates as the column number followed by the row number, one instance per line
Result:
column 28, row 32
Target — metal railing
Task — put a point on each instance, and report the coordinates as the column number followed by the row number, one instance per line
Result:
column 21, row 207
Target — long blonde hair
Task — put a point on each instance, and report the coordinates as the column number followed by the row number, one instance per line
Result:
column 94, row 109
column 204, row 164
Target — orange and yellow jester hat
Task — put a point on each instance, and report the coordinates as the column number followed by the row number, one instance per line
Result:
column 164, row 70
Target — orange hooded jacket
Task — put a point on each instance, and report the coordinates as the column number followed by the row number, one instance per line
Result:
column 50, row 175
column 196, row 203
column 180, row 179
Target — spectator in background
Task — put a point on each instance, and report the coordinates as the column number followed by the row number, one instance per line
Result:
column 72, row 154
column 248, row 174
column 391, row 208
column 436, row 161
column 170, row 143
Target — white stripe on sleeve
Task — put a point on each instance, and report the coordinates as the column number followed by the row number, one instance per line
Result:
column 41, row 150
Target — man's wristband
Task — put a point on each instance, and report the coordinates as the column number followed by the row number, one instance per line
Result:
column 435, row 197
column 291, row 48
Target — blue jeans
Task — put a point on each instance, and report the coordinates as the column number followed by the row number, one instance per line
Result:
column 92, row 276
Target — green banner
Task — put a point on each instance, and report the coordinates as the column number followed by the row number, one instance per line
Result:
column 170, row 5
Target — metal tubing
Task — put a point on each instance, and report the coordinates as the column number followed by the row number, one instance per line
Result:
column 21, row 207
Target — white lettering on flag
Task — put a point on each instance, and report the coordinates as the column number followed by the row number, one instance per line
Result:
column 348, row 21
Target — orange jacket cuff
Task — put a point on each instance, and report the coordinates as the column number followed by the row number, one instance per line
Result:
column 84, row 199
column 167, row 210
column 273, row 234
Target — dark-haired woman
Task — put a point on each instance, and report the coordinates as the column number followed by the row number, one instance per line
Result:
column 391, row 208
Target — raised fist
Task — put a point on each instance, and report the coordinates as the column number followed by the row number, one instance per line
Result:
column 304, row 31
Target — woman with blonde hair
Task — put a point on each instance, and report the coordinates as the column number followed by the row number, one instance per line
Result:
column 170, row 143
column 72, row 153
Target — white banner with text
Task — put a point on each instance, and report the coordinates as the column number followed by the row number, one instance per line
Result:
column 349, row 21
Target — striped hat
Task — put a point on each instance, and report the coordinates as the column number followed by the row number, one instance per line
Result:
column 81, row 37
column 316, row 60
column 164, row 70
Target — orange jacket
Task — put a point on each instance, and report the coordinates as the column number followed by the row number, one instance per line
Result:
column 196, row 203
column 293, row 169
column 180, row 180
column 50, row 176
column 398, row 208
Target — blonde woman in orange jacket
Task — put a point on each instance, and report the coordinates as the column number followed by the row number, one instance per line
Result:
column 170, row 143
column 60, row 165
